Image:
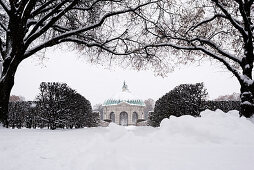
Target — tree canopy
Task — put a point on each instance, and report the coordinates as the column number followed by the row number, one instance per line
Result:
column 27, row 27
column 215, row 29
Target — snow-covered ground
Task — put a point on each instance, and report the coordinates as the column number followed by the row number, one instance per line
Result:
column 216, row 141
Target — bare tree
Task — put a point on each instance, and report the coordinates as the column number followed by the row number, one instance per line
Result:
column 28, row 26
column 216, row 29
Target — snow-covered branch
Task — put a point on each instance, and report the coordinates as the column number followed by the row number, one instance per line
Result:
column 222, row 60
column 244, row 9
column 1, row 50
column 179, row 47
column 5, row 7
column 42, row 8
column 217, row 48
column 57, row 39
column 206, row 21
column 25, row 9
column 100, row 45
column 200, row 48
column 35, row 33
column 230, row 18
column 89, row 7
column 3, row 26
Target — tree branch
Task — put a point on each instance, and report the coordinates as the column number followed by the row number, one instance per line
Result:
column 1, row 50
column 22, row 5
column 57, row 39
column 88, row 8
column 206, row 21
column 199, row 48
column 2, row 25
column 6, row 8
column 229, row 67
column 33, row 34
column 27, row 10
column 217, row 48
column 40, row 8
column 101, row 46
column 230, row 18
column 244, row 15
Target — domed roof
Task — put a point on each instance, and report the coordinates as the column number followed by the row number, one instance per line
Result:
column 124, row 96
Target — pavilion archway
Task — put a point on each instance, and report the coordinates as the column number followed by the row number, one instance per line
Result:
column 134, row 117
column 124, row 119
column 112, row 117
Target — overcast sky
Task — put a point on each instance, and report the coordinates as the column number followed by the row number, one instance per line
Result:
column 98, row 84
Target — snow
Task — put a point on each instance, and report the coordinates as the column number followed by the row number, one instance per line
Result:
column 124, row 96
column 214, row 141
column 247, row 80
column 247, row 66
column 246, row 103
column 33, row 105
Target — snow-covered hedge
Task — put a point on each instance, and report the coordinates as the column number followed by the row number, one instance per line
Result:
column 225, row 106
column 185, row 99
column 57, row 106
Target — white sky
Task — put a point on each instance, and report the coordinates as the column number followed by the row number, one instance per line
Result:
column 98, row 84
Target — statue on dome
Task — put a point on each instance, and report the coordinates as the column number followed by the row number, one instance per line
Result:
column 125, row 87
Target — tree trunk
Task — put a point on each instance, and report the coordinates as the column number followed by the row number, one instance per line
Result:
column 5, row 89
column 6, row 84
column 247, row 84
column 247, row 100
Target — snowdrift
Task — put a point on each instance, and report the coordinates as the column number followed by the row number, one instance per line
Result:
column 211, row 127
column 214, row 141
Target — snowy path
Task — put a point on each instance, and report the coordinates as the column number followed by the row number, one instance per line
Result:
column 215, row 142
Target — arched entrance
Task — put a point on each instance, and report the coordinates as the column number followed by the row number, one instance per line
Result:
column 123, row 119
column 134, row 117
column 112, row 117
